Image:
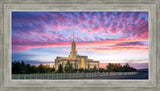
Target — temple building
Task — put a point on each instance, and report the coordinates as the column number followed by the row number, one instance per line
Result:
column 77, row 61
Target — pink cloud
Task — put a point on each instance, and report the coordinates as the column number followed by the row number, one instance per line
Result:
column 45, row 16
column 19, row 48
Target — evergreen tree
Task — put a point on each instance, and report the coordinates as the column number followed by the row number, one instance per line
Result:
column 34, row 69
column 18, row 67
column 81, row 70
column 68, row 67
column 53, row 69
column 60, row 68
column 28, row 68
column 127, row 65
column 23, row 67
column 41, row 68
column 109, row 67
column 101, row 70
column 117, row 67
column 95, row 69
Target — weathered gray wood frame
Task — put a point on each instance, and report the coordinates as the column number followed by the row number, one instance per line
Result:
column 7, row 6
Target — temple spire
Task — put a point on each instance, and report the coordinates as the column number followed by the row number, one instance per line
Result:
column 73, row 35
column 73, row 52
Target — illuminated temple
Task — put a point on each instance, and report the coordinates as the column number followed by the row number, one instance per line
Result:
column 77, row 61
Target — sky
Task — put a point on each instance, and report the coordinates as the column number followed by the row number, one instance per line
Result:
column 108, row 37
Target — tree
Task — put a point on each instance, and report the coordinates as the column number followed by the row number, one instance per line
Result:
column 88, row 66
column 47, row 69
column 41, row 68
column 117, row 67
column 91, row 70
column 81, row 70
column 86, row 70
column 34, row 69
column 109, row 67
column 101, row 70
column 60, row 68
column 95, row 69
column 17, row 67
column 127, row 68
column 23, row 67
column 68, row 67
column 53, row 69
column 126, row 65
column 75, row 70
column 13, row 67
column 28, row 68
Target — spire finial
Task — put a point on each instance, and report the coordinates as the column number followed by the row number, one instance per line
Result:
column 73, row 35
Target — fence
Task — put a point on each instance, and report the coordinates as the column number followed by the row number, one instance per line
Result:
column 69, row 75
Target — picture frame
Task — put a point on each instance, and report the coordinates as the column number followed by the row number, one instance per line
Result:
column 7, row 6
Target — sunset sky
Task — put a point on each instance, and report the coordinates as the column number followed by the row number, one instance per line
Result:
column 108, row 37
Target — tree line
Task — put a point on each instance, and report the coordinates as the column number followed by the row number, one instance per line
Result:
column 23, row 68
column 111, row 67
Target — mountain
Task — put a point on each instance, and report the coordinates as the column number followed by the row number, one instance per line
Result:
column 145, row 69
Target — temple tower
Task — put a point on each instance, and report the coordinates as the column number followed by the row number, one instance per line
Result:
column 73, row 52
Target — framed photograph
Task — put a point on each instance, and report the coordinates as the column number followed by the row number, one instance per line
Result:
column 79, row 45
column 118, row 40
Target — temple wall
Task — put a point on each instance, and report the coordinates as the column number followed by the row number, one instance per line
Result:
column 79, row 61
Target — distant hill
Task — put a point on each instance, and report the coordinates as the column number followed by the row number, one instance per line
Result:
column 145, row 69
